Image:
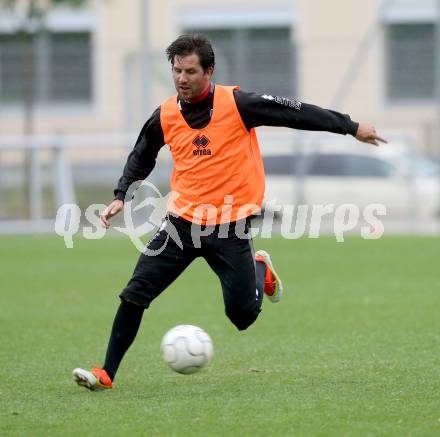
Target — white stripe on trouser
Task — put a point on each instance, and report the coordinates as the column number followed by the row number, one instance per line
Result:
column 255, row 266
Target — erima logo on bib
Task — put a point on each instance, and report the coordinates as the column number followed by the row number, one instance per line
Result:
column 201, row 142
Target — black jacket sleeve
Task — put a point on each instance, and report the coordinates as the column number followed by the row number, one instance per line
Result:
column 266, row 110
column 142, row 159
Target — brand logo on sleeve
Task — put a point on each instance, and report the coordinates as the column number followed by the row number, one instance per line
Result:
column 291, row 103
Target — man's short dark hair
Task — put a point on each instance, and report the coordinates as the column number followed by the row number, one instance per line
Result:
column 192, row 43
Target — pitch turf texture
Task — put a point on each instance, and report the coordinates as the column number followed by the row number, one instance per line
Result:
column 352, row 349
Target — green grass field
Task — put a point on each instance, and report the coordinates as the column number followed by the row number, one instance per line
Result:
column 352, row 349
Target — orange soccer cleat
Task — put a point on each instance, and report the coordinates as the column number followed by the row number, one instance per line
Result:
column 273, row 287
column 96, row 380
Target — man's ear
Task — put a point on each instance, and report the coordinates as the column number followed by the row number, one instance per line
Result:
column 210, row 70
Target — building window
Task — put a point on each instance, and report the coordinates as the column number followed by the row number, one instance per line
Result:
column 261, row 60
column 50, row 67
column 411, row 61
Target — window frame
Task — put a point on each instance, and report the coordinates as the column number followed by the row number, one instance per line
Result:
column 411, row 12
column 221, row 17
column 402, row 101
column 241, row 36
column 58, row 20
column 43, row 47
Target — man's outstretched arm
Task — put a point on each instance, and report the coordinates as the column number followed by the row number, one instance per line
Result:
column 267, row 110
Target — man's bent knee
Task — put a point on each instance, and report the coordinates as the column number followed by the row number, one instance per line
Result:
column 242, row 319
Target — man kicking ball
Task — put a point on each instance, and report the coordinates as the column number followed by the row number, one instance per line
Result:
column 210, row 130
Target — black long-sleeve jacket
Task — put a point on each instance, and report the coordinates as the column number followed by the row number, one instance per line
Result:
column 255, row 110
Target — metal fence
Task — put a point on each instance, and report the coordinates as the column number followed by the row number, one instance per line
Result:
column 39, row 173
column 308, row 170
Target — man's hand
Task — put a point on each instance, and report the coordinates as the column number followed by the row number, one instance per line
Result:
column 367, row 134
column 110, row 211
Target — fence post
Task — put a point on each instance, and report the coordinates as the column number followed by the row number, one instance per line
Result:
column 35, row 183
column 63, row 178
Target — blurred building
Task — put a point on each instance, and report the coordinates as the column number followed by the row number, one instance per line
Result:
column 102, row 68
column 74, row 94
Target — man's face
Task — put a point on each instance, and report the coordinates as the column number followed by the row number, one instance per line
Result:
column 189, row 77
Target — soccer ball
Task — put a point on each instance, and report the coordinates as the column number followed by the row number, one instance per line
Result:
column 186, row 349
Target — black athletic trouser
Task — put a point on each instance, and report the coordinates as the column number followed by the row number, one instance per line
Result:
column 230, row 257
